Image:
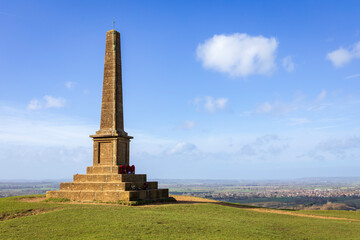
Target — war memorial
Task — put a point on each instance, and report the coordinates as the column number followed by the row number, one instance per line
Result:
column 111, row 178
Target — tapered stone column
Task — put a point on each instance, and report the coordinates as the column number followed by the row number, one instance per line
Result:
column 104, row 181
column 111, row 142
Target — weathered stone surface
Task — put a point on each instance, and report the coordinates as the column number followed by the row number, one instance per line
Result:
column 110, row 178
column 112, row 119
column 109, row 196
column 103, row 170
column 111, row 147
column 105, row 186
column 110, row 150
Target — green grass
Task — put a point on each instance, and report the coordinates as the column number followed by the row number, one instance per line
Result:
column 56, row 200
column 169, row 221
column 11, row 207
column 333, row 213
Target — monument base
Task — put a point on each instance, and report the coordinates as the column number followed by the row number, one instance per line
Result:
column 107, row 185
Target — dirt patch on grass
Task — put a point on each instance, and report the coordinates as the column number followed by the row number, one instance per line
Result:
column 189, row 199
column 284, row 212
column 28, row 212
column 31, row 199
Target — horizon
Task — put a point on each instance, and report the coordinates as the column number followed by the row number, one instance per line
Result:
column 189, row 180
column 247, row 90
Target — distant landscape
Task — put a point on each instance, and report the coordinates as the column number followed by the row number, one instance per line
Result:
column 300, row 194
column 304, row 193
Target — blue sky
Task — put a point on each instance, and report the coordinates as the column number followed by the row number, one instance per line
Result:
column 212, row 89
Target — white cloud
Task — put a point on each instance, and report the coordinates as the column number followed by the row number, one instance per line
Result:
column 353, row 76
column 263, row 147
column 340, row 144
column 338, row 149
column 342, row 56
column 298, row 121
column 70, row 84
column 339, row 57
column 288, row 64
column 182, row 148
column 273, row 108
column 322, row 95
column 48, row 102
column 52, row 102
column 356, row 49
column 266, row 107
column 187, row 125
column 239, row 55
column 298, row 105
column 318, row 105
column 211, row 104
column 34, row 105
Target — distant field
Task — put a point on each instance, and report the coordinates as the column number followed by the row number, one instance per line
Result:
column 8, row 189
column 167, row 221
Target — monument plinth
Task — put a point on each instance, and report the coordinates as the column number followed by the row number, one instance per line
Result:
column 105, row 180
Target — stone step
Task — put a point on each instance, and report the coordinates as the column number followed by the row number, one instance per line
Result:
column 153, row 194
column 103, row 169
column 110, row 178
column 109, row 196
column 106, row 186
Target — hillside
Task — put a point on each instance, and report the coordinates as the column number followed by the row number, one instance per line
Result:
column 189, row 218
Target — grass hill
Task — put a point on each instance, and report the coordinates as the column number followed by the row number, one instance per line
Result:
column 190, row 218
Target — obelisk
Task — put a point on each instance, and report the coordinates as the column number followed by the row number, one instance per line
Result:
column 106, row 180
column 111, row 142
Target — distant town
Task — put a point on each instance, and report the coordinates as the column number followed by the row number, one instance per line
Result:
column 307, row 193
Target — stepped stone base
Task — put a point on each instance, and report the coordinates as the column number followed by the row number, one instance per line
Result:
column 104, row 183
column 109, row 196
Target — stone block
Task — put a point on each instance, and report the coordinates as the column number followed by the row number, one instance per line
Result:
column 112, row 196
column 152, row 185
column 90, row 178
column 102, row 169
column 110, row 178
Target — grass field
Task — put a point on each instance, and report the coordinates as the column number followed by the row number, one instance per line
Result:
column 186, row 220
column 334, row 213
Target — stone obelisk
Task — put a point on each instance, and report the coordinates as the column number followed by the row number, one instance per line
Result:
column 111, row 142
column 106, row 180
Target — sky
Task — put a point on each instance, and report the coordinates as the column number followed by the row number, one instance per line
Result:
column 212, row 89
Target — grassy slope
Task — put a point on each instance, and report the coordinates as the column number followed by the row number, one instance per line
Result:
column 10, row 206
column 172, row 221
column 333, row 213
